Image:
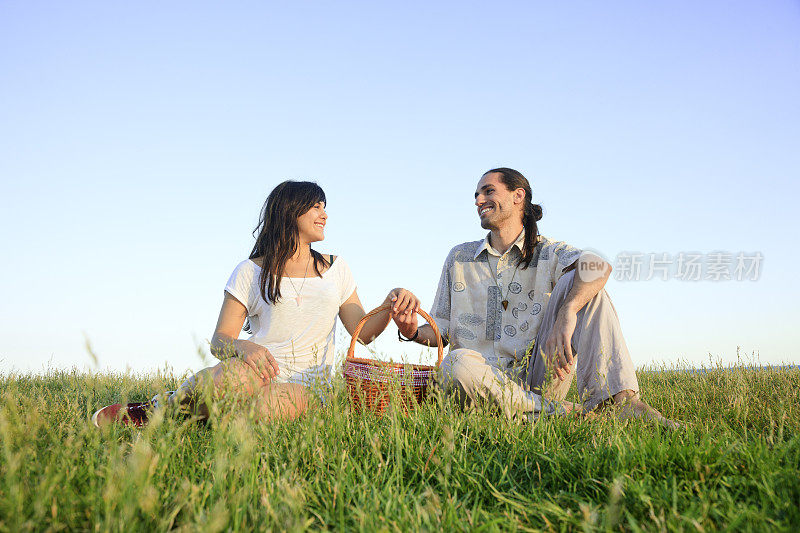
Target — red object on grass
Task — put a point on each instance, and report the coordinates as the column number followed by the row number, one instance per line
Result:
column 132, row 414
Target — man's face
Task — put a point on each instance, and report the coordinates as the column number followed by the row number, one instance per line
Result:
column 497, row 206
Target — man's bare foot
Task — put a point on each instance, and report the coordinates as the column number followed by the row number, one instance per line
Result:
column 626, row 405
column 568, row 409
column 576, row 410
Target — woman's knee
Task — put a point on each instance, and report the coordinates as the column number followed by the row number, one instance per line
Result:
column 235, row 374
column 286, row 400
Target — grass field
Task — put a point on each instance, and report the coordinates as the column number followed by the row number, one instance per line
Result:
column 736, row 467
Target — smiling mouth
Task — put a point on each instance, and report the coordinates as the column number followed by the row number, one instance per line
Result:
column 319, row 225
column 483, row 210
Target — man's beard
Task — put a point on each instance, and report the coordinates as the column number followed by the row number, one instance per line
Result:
column 494, row 222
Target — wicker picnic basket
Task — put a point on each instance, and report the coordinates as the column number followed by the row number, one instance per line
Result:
column 373, row 385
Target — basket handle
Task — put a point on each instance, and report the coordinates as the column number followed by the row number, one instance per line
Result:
column 385, row 307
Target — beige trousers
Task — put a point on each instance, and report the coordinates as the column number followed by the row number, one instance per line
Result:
column 603, row 363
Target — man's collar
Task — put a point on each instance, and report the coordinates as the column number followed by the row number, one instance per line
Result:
column 485, row 246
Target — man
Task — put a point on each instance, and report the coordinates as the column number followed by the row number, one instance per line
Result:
column 524, row 314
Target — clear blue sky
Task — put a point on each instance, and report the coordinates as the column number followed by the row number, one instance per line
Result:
column 138, row 142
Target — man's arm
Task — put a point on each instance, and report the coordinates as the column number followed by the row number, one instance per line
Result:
column 407, row 322
column 407, row 326
column 590, row 278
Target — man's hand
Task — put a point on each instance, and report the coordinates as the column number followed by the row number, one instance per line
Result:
column 558, row 346
column 404, row 311
column 259, row 360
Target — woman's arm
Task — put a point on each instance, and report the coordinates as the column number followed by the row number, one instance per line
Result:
column 351, row 312
column 225, row 342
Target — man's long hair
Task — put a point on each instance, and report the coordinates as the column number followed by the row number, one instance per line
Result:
column 278, row 234
column 514, row 180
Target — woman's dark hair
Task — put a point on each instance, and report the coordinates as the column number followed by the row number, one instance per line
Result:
column 277, row 233
column 514, row 180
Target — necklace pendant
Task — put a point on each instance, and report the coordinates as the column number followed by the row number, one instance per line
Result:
column 505, row 304
column 297, row 299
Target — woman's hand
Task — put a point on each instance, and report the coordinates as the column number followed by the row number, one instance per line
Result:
column 258, row 359
column 404, row 310
column 224, row 342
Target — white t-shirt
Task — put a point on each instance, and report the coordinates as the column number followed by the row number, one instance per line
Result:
column 299, row 336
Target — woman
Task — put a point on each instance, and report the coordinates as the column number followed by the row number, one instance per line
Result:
column 287, row 296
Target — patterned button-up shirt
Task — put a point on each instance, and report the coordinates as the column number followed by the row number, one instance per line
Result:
column 475, row 280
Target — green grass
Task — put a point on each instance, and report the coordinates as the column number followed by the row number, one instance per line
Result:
column 736, row 467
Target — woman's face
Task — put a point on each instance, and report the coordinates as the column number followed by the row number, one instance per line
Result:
column 311, row 224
